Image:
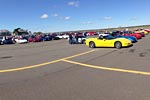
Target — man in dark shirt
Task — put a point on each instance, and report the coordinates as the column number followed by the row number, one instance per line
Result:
column 70, row 38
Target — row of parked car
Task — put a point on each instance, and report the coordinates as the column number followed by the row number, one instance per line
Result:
column 40, row 38
column 117, row 39
column 133, row 36
column 27, row 38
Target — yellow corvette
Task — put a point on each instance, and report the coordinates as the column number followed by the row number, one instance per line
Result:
column 108, row 41
column 146, row 33
column 142, row 31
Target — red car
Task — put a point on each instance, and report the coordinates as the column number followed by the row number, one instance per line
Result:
column 34, row 39
column 141, row 33
column 138, row 36
column 91, row 33
column 147, row 30
column 80, row 34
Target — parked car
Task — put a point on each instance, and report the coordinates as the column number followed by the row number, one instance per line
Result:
column 108, row 41
column 131, row 38
column 103, row 34
column 54, row 36
column 46, row 38
column 63, row 36
column 141, row 31
column 91, row 33
column 147, row 30
column 34, row 38
column 81, row 39
column 138, row 36
column 20, row 40
column 6, row 40
column 118, row 35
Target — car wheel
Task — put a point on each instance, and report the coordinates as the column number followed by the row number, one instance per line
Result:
column 83, row 41
column 118, row 45
column 1, row 43
column 92, row 45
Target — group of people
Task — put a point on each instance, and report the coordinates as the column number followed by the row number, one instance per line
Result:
column 73, row 38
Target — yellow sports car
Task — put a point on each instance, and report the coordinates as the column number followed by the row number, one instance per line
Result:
column 108, row 41
column 146, row 33
column 141, row 31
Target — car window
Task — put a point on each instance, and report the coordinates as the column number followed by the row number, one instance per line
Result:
column 109, row 37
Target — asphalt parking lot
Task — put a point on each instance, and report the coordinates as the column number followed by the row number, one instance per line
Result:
column 55, row 70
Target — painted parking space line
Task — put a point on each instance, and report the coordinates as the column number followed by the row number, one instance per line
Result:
column 80, row 54
column 43, row 64
column 107, row 68
column 28, row 67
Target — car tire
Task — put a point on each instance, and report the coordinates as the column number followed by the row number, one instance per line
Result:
column 118, row 45
column 1, row 43
column 83, row 41
column 92, row 45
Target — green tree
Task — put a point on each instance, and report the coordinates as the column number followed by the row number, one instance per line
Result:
column 19, row 31
column 16, row 31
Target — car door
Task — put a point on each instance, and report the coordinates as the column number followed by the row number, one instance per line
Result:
column 105, row 41
column 108, row 43
column 100, row 42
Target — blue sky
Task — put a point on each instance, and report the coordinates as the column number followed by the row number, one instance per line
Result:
column 67, row 15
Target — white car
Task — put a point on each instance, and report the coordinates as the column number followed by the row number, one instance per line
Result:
column 64, row 36
column 20, row 40
column 103, row 34
column 81, row 39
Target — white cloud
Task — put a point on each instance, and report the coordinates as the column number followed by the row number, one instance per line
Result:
column 107, row 18
column 44, row 16
column 55, row 15
column 73, row 3
column 67, row 18
column 133, row 18
column 87, row 23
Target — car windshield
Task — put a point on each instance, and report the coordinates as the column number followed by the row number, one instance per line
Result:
column 109, row 37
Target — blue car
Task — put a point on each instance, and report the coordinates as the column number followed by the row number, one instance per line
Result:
column 47, row 38
column 131, row 38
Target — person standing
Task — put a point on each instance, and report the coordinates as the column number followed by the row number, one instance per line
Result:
column 76, row 38
column 70, row 38
column 85, row 34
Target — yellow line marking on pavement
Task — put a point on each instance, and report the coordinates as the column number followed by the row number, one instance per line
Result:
column 107, row 68
column 43, row 64
column 28, row 67
column 79, row 54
